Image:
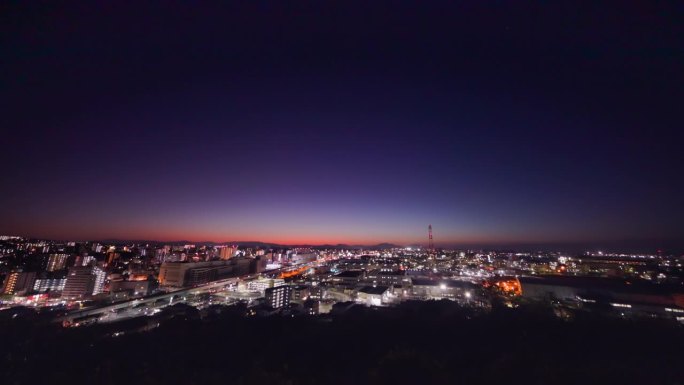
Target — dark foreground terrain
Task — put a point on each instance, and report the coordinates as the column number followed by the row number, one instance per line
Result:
column 416, row 343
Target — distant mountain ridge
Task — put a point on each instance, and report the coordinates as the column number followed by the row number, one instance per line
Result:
column 248, row 244
column 637, row 245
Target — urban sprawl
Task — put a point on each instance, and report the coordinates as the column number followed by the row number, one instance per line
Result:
column 83, row 283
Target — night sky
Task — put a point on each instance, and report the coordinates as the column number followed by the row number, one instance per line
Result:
column 328, row 122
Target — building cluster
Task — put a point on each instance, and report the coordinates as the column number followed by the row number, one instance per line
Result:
column 45, row 273
column 621, row 284
column 116, row 281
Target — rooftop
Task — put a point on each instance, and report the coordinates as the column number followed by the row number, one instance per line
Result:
column 350, row 274
column 373, row 289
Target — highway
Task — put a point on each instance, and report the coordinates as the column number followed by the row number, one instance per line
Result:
column 171, row 296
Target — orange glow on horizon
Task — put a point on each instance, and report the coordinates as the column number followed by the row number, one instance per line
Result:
column 270, row 237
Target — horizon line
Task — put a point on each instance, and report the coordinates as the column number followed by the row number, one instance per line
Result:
column 656, row 244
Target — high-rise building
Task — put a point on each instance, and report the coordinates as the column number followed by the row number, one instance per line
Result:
column 279, row 296
column 84, row 260
column 227, row 252
column 161, row 254
column 57, row 262
column 181, row 274
column 84, row 281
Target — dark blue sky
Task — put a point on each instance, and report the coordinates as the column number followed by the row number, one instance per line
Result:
column 496, row 122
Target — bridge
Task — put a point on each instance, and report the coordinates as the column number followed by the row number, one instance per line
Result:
column 150, row 300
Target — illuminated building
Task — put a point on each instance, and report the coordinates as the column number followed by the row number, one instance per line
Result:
column 300, row 258
column 100, row 277
column 10, row 283
column 388, row 278
column 278, row 296
column 57, row 262
column 263, row 283
column 175, row 274
column 84, row 260
column 373, row 295
column 300, row 293
column 49, row 284
column 462, row 291
column 508, row 285
column 112, row 257
column 227, row 252
column 84, row 281
column 181, row 274
column 161, row 255
column 19, row 283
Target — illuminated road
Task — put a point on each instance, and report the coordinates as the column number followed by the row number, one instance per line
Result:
column 152, row 301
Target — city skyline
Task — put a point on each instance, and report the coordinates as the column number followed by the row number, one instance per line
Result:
column 355, row 192
column 643, row 246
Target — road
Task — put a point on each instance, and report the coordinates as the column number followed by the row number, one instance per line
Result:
column 150, row 300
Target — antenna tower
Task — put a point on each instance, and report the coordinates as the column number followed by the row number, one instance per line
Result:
column 431, row 246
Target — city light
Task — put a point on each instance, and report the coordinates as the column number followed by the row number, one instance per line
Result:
column 342, row 193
